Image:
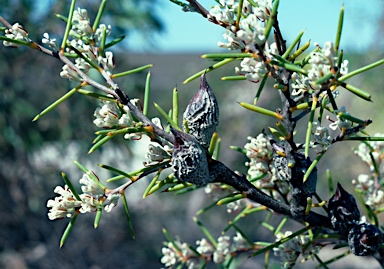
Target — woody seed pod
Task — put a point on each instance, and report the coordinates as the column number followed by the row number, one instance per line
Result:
column 364, row 239
column 343, row 210
column 202, row 114
column 189, row 159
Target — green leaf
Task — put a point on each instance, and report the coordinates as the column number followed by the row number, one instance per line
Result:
column 165, row 115
column 99, row 15
column 170, row 239
column 271, row 19
column 339, row 29
column 175, row 106
column 69, row 25
column 240, row 55
column 57, row 102
column 292, row 46
column 261, row 110
column 309, row 128
column 313, row 165
column 277, row 243
column 206, row 232
column 68, row 230
column 152, row 183
column 99, row 143
column 209, row 69
column 129, row 219
column 132, row 71
column 70, row 186
column 99, row 211
column 118, row 171
column 146, row 93
column 361, row 70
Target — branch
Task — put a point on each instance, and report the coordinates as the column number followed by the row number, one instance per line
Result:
column 221, row 173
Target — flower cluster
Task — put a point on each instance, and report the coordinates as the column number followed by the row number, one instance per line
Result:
column 249, row 34
column 66, row 204
column 110, row 115
column 321, row 134
column 87, row 42
column 157, row 153
column 259, row 151
column 289, row 251
column 371, row 153
column 16, row 32
column 322, row 61
column 183, row 253
column 177, row 252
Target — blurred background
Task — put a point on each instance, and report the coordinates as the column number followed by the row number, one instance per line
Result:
column 32, row 154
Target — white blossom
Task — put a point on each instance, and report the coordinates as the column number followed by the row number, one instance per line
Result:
column 99, row 33
column 69, row 73
column 222, row 251
column 16, row 32
column 157, row 153
column 107, row 116
column 107, row 62
column 171, row 255
column 239, row 242
column 320, row 136
column 50, row 42
column 290, row 250
column 64, row 205
column 81, row 23
column 264, row 9
column 204, row 246
column 233, row 43
column 90, row 186
column 252, row 69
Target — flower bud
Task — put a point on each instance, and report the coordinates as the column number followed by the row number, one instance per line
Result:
column 189, row 159
column 364, row 239
column 202, row 114
column 343, row 210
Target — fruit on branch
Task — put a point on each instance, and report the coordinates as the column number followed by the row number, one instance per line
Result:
column 202, row 114
column 189, row 159
column 343, row 211
column 365, row 239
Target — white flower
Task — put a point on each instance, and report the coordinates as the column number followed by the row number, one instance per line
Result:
column 90, row 187
column 169, row 257
column 69, row 73
column 252, row 69
column 300, row 84
column 234, row 42
column 204, row 246
column 64, row 205
column 50, row 42
column 89, row 203
column 290, row 250
column 82, row 65
column 111, row 202
column 107, row 116
column 225, row 16
column 222, row 251
column 264, row 9
column 157, row 153
column 16, row 32
column 239, row 242
column 107, row 62
column 320, row 136
column 99, row 33
column 259, row 148
column 81, row 23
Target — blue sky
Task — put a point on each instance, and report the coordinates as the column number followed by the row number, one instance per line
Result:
column 190, row 32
